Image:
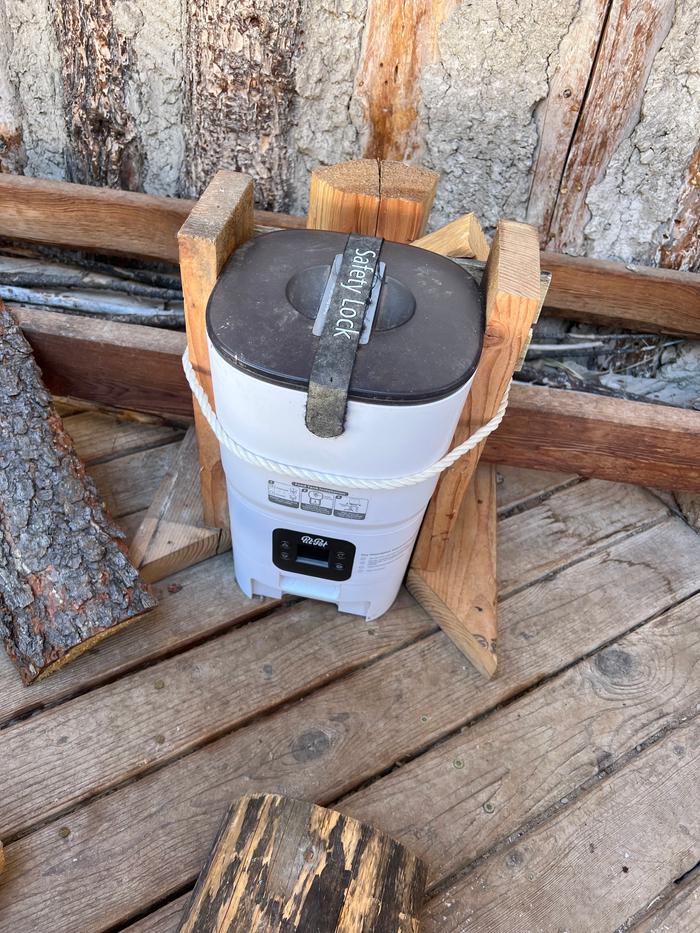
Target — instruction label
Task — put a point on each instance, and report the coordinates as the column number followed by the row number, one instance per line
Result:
column 377, row 561
column 319, row 499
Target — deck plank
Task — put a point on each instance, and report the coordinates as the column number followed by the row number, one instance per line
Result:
column 84, row 747
column 517, row 487
column 129, row 483
column 679, row 914
column 101, row 436
column 158, row 830
column 512, row 766
column 194, row 604
column 567, row 524
column 597, row 862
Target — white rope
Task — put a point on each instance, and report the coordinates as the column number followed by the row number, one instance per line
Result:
column 334, row 479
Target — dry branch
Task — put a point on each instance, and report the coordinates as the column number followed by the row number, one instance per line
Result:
column 65, row 578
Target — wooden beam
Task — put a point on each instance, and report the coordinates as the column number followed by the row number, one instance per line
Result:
column 129, row 223
column 100, row 219
column 462, row 237
column 513, row 300
column 548, row 429
column 461, row 593
column 316, row 869
column 221, row 220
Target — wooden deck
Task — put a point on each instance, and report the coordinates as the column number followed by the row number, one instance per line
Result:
column 564, row 795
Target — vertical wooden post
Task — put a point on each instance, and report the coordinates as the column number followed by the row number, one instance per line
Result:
column 221, row 220
column 513, row 301
column 387, row 199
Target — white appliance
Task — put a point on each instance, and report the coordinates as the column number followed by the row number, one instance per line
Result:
column 289, row 388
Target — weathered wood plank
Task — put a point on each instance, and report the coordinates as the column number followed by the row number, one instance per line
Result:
column 518, row 488
column 100, row 436
column 164, row 920
column 183, row 702
column 558, row 114
column 193, row 605
column 679, row 914
column 608, row 438
column 129, row 483
column 637, row 297
column 510, row 768
column 117, row 365
column 632, row 36
column 597, row 862
column 568, row 524
column 334, row 740
column 100, row 219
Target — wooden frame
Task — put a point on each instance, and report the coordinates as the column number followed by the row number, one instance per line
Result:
column 140, row 368
column 126, row 222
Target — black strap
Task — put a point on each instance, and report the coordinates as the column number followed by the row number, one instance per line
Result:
column 335, row 357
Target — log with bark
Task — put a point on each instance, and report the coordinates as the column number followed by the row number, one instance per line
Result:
column 65, row 578
column 283, row 865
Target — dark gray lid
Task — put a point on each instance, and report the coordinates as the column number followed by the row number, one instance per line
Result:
column 427, row 333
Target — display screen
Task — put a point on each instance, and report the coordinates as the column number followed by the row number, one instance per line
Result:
column 314, row 554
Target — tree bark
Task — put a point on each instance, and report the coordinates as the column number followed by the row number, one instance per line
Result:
column 285, row 865
column 105, row 148
column 239, row 92
column 65, row 578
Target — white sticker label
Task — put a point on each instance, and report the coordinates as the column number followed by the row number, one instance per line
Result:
column 319, row 499
column 377, row 561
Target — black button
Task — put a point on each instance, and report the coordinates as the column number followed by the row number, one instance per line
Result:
column 284, row 555
column 340, row 554
column 340, row 566
column 285, row 544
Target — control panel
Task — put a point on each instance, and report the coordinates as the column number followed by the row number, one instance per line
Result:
column 313, row 554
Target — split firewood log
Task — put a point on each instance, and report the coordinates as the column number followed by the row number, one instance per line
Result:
column 65, row 577
column 281, row 865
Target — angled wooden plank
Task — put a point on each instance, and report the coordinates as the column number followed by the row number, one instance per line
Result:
column 682, row 248
column 167, row 710
column 513, row 297
column 319, row 748
column 193, row 605
column 461, row 237
column 100, row 436
column 173, row 535
column 518, row 488
column 597, row 862
column 221, row 220
column 129, row 483
column 679, row 914
column 461, row 594
column 508, row 769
